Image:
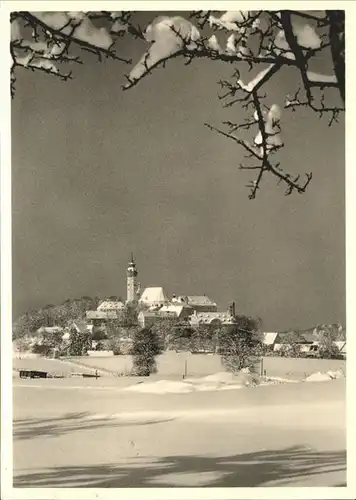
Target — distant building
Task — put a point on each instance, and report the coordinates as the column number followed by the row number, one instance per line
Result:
column 98, row 316
column 107, row 310
column 157, row 306
column 131, row 281
column 97, row 321
column 269, row 340
column 275, row 341
column 341, row 345
column 183, row 312
column 80, row 327
column 150, row 318
column 111, row 305
column 43, row 330
column 198, row 303
column 154, row 297
column 211, row 318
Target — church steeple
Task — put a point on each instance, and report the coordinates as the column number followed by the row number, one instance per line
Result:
column 131, row 280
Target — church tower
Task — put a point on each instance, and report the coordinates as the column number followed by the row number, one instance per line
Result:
column 131, row 280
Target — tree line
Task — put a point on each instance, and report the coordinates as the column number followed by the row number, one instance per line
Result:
column 239, row 344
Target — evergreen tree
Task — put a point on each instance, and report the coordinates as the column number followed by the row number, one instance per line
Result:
column 79, row 343
column 146, row 346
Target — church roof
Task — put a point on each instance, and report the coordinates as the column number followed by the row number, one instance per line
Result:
column 154, row 295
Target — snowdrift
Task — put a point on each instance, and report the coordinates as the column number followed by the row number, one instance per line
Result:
column 215, row 382
column 324, row 377
column 223, row 381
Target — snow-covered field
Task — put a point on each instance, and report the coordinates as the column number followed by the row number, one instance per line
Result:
column 176, row 364
column 120, row 433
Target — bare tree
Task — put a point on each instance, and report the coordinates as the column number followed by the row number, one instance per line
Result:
column 239, row 348
column 262, row 41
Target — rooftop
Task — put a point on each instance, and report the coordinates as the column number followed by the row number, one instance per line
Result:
column 110, row 305
column 101, row 314
column 195, row 300
column 269, row 338
column 81, row 326
column 176, row 309
column 154, row 295
column 50, row 329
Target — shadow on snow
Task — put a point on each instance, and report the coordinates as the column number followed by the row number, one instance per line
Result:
column 279, row 467
column 70, row 422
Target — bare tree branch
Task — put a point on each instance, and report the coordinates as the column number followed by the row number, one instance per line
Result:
column 245, row 144
column 33, row 20
column 337, row 39
column 254, row 38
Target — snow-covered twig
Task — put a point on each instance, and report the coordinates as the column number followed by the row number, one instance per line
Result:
column 320, row 80
column 261, row 78
column 277, row 39
column 201, row 16
column 54, row 35
column 267, row 143
column 82, row 41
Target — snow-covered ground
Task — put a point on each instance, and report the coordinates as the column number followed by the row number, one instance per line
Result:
column 101, row 433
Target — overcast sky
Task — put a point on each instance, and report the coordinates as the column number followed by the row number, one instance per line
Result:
column 98, row 173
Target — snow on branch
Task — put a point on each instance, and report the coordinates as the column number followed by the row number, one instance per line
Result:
column 262, row 77
column 76, row 28
column 170, row 37
column 167, row 36
column 267, row 140
column 279, row 39
column 44, row 41
column 230, row 20
column 298, row 44
column 201, row 17
column 321, row 80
